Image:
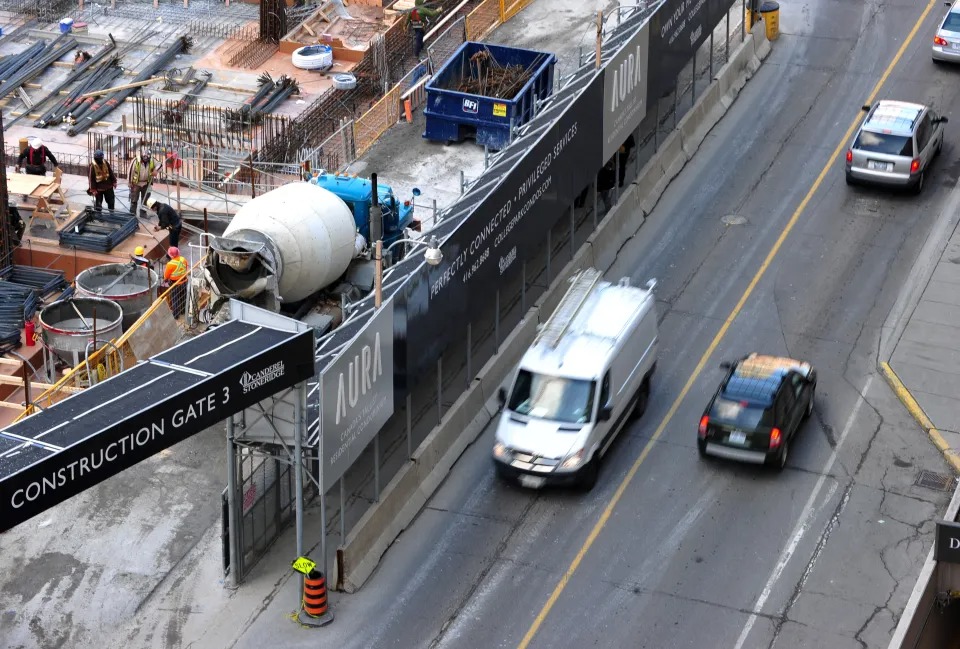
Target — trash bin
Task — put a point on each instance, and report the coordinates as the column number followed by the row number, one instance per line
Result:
column 66, row 25
column 770, row 14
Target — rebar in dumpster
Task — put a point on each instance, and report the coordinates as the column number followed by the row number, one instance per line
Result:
column 488, row 78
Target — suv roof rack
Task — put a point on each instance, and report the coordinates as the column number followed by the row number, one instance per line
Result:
column 581, row 285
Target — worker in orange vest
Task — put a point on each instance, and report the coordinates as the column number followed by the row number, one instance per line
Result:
column 176, row 270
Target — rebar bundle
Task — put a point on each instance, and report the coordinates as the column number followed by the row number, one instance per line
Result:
column 75, row 104
column 75, row 74
column 181, row 45
column 38, row 64
column 270, row 94
column 175, row 113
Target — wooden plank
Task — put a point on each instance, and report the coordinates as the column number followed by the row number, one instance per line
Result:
column 7, row 404
column 25, row 184
column 6, row 379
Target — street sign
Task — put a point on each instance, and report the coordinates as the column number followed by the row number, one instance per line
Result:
column 304, row 565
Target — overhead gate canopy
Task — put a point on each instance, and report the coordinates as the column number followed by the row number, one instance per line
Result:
column 83, row 440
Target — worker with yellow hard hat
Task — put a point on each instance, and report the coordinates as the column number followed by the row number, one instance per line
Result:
column 140, row 257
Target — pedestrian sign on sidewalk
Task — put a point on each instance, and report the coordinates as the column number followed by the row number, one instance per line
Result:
column 304, row 565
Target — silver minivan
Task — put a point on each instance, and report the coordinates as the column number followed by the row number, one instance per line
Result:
column 895, row 145
column 946, row 44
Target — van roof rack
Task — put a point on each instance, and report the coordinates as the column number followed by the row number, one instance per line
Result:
column 580, row 287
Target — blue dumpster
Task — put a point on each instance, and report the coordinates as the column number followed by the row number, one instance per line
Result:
column 502, row 85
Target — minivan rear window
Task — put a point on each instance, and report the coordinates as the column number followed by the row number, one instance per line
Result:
column 874, row 142
column 552, row 397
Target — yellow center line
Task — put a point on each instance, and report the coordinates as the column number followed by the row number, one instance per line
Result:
column 608, row 510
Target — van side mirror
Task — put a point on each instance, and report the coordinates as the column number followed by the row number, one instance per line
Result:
column 943, row 119
column 605, row 413
column 726, row 365
column 865, row 107
column 502, row 397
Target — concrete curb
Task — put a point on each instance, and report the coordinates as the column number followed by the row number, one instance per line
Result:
column 919, row 415
column 408, row 491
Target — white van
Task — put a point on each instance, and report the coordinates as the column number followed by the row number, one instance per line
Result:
column 583, row 377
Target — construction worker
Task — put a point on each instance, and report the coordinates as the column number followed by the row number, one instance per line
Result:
column 168, row 219
column 142, row 171
column 36, row 156
column 176, row 269
column 102, row 182
column 17, row 226
column 416, row 20
column 139, row 257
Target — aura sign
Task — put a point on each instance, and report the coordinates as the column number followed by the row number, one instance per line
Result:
column 625, row 91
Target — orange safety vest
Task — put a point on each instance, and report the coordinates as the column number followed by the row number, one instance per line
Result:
column 176, row 268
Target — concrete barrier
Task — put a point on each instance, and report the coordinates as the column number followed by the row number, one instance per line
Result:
column 408, row 491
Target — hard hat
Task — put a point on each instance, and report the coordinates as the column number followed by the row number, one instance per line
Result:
column 138, row 251
column 37, row 143
column 98, row 154
column 145, row 156
column 173, row 252
column 152, row 203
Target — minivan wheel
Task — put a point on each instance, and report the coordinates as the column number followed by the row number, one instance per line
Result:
column 918, row 187
column 782, row 456
column 643, row 399
column 849, row 178
column 810, row 405
column 588, row 474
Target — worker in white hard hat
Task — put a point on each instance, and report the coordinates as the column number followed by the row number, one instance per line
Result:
column 36, row 156
column 168, row 219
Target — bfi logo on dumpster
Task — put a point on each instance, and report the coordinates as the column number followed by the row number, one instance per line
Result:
column 471, row 106
column 947, row 543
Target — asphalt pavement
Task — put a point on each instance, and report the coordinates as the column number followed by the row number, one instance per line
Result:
column 707, row 553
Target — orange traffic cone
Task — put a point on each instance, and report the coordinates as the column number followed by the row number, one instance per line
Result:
column 316, row 609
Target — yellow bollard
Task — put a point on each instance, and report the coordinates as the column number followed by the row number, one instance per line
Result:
column 770, row 13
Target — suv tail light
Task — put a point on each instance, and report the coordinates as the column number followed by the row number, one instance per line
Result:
column 849, row 156
column 915, row 165
column 942, row 42
column 702, row 431
column 775, row 438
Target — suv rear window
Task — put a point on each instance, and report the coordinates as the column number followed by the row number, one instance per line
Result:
column 739, row 414
column 874, row 142
column 952, row 23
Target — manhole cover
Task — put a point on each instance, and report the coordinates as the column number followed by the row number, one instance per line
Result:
column 934, row 480
column 734, row 219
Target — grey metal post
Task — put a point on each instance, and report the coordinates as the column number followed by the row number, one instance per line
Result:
column 323, row 494
column 694, row 76
column 549, row 249
column 727, row 55
column 376, row 467
column 469, row 345
column 573, row 232
column 523, row 287
column 676, row 92
column 439, row 389
column 298, row 434
column 462, row 181
column 616, row 177
column 596, row 194
column 409, row 425
column 496, row 324
column 234, row 543
column 711, row 55
column 343, row 510
column 656, row 126
column 486, row 157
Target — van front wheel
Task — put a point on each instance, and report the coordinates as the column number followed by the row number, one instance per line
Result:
column 588, row 474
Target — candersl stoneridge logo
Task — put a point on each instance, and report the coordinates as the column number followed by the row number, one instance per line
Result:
column 253, row 381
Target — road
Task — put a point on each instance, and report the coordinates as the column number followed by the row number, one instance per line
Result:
column 712, row 554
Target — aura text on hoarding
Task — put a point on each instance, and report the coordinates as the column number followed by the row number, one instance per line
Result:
column 494, row 234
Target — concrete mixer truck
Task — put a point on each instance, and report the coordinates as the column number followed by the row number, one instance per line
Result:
column 295, row 241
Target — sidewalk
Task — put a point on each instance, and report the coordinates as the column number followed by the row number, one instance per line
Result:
column 924, row 366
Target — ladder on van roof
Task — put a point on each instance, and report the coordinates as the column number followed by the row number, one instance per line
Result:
column 581, row 285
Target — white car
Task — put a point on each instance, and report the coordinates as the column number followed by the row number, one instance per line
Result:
column 946, row 44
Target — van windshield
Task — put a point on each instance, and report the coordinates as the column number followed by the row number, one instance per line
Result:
column 552, row 397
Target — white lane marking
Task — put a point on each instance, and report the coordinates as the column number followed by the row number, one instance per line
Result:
column 226, row 344
column 803, row 523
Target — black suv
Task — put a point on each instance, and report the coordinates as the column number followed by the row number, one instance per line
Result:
column 757, row 409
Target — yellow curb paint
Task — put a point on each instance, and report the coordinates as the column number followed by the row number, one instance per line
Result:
column 919, row 415
column 621, row 489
